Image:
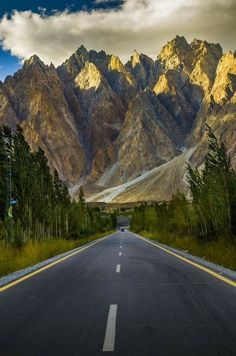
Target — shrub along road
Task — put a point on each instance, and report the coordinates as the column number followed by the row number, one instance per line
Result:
column 123, row 296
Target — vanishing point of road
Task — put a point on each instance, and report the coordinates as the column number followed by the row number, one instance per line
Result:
column 120, row 296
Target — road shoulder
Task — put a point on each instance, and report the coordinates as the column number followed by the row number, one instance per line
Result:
column 14, row 276
column 221, row 271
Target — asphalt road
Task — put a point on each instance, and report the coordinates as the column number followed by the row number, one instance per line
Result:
column 123, row 295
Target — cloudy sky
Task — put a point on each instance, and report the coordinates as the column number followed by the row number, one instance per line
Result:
column 55, row 31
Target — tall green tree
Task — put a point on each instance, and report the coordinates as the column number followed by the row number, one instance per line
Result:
column 213, row 191
column 82, row 209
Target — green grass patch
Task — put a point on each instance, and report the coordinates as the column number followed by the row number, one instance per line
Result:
column 13, row 259
column 219, row 252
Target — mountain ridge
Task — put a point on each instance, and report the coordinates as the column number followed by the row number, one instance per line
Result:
column 103, row 123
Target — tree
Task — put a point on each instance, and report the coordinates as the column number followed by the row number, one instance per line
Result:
column 82, row 210
column 3, row 174
column 44, row 208
column 213, row 191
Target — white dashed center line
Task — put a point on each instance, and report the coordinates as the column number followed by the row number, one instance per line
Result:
column 110, row 335
column 118, row 269
column 120, row 253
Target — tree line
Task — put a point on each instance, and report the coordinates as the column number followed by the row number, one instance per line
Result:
column 34, row 203
column 210, row 213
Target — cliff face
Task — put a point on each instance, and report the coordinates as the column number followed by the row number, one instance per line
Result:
column 36, row 94
column 181, row 98
column 120, row 127
column 206, row 59
column 218, row 111
column 143, row 69
column 144, row 132
column 8, row 115
column 197, row 60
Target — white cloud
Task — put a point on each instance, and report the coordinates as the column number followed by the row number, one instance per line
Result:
column 144, row 25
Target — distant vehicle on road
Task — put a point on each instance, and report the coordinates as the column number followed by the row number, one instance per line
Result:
column 122, row 229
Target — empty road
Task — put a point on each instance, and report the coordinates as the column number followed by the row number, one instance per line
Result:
column 121, row 296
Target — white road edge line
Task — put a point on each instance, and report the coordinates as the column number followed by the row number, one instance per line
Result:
column 120, row 253
column 110, row 334
column 118, row 269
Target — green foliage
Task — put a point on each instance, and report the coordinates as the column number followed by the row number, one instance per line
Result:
column 214, row 193
column 13, row 258
column 43, row 209
column 5, row 153
column 209, row 219
column 113, row 220
column 165, row 217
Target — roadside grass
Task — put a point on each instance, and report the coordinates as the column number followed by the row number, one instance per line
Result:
column 14, row 258
column 218, row 252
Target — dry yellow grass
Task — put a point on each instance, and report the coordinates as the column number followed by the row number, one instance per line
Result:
column 13, row 258
column 218, row 252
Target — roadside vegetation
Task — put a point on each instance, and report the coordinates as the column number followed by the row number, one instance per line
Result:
column 13, row 258
column 37, row 217
column 206, row 224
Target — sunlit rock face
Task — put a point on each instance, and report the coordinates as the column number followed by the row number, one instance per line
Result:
column 102, row 108
column 37, row 97
column 127, row 127
column 218, row 111
column 206, row 59
column 177, row 54
column 88, row 78
column 197, row 60
column 225, row 83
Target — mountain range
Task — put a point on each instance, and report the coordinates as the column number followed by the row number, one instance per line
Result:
column 125, row 131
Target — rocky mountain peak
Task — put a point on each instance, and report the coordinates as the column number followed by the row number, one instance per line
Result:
column 142, row 69
column 206, row 59
column 225, row 83
column 33, row 70
column 178, row 43
column 120, row 77
column 177, row 54
column 89, row 77
column 105, row 123
column 197, row 60
column 82, row 50
column 204, row 46
column 34, row 61
column 139, row 59
column 100, row 59
column 115, row 64
column 72, row 66
column 135, row 59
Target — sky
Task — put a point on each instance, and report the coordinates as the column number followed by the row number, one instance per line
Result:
column 55, row 29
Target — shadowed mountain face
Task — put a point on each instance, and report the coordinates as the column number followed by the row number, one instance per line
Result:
column 125, row 131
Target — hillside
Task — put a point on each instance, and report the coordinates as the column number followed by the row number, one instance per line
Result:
column 125, row 131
